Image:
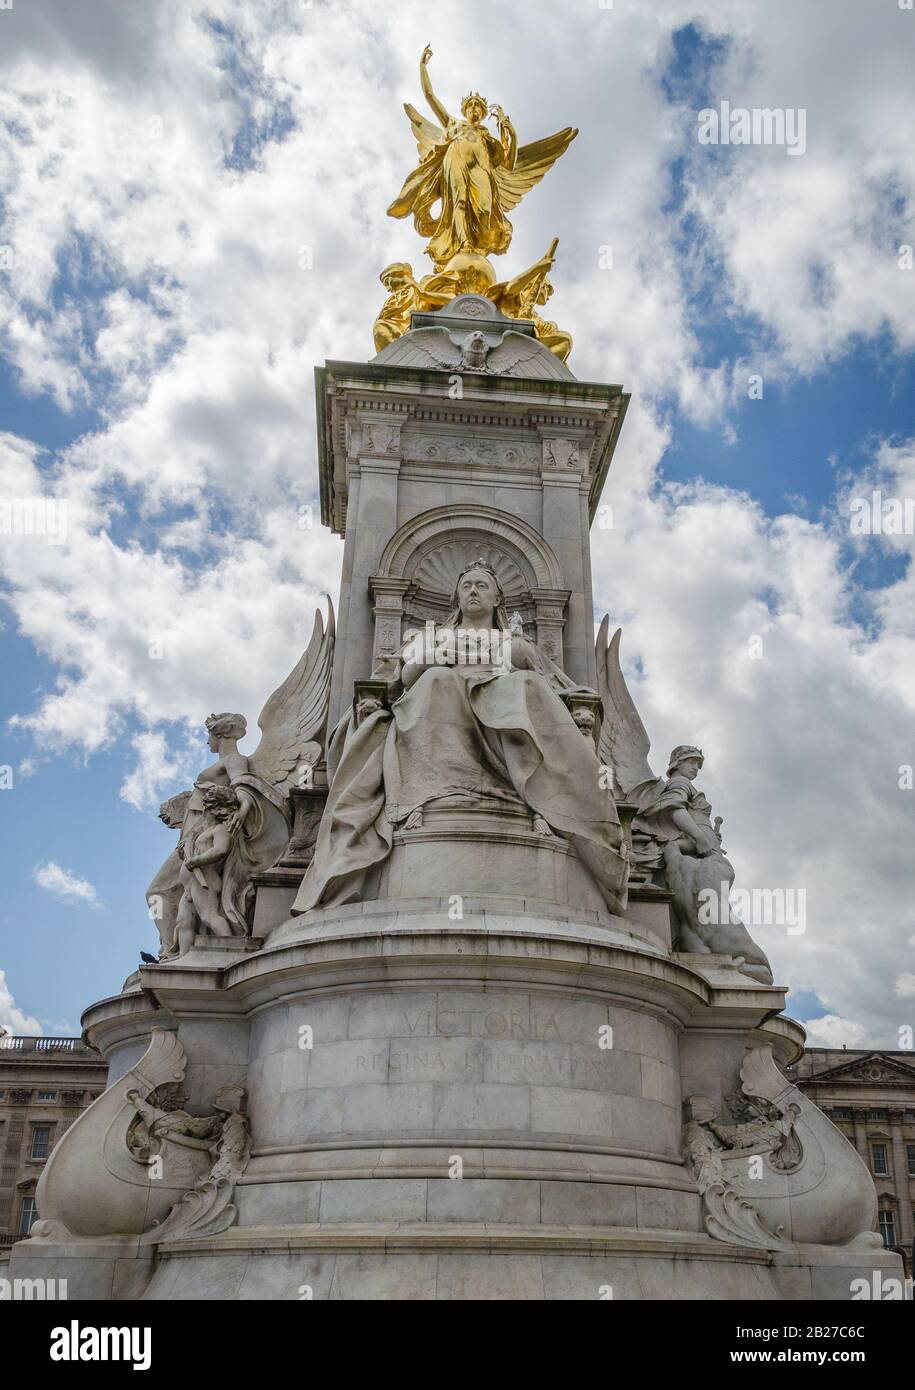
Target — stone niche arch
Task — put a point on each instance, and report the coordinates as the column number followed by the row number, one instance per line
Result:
column 423, row 558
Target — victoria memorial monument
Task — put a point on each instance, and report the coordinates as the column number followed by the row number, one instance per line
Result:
column 436, row 1011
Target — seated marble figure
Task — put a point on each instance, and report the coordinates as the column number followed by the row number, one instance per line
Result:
column 460, row 731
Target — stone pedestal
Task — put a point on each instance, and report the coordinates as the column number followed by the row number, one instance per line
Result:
column 487, row 1107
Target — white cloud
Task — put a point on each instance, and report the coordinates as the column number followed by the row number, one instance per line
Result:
column 832, row 1031
column 12, row 1017
column 156, row 770
column 61, row 883
column 905, row 985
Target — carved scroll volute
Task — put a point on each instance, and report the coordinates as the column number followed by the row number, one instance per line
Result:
column 830, row 1197
column 824, row 1196
column 92, row 1187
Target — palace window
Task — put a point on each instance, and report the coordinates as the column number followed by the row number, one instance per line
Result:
column 910, row 1155
column 876, row 1114
column 27, row 1215
column 878, row 1160
column 888, row 1227
column 47, row 1095
column 41, row 1141
column 843, row 1113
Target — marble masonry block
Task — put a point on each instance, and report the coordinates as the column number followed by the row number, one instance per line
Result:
column 278, row 1203
column 481, row 1109
column 203, row 1277
column 838, row 1274
column 666, row 1210
column 270, row 1031
column 571, row 1278
column 301, row 1115
column 123, row 1056
column 652, row 916
column 644, row 1035
column 288, row 1276
column 274, row 903
column 388, row 1109
column 488, row 1278
column 373, row 1201
column 568, row 1111
column 483, row 1199
column 367, row 1276
column 588, row 1204
column 660, row 1082
column 646, row 1125
column 340, row 1063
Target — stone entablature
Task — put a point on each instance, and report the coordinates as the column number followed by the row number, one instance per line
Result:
column 472, row 431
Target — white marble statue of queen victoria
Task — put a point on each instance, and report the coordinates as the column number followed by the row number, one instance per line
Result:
column 464, row 732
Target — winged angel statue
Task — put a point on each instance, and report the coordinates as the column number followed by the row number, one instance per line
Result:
column 237, row 820
column 459, row 194
column 474, row 177
column 674, row 841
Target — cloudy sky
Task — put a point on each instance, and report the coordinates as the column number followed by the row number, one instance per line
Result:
column 192, row 215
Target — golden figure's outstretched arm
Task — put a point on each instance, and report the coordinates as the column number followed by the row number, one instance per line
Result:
column 507, row 137
column 516, row 297
column 425, row 82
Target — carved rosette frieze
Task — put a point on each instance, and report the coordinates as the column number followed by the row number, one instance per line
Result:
column 425, row 447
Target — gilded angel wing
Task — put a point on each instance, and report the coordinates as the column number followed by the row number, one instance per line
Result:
column 623, row 743
column 531, row 163
column 293, row 722
column 427, row 133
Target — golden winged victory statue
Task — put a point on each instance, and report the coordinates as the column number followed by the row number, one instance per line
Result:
column 466, row 182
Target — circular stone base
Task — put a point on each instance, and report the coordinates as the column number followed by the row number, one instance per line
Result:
column 482, row 1104
column 459, row 1263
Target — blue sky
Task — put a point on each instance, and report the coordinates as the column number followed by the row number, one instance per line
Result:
column 157, row 354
